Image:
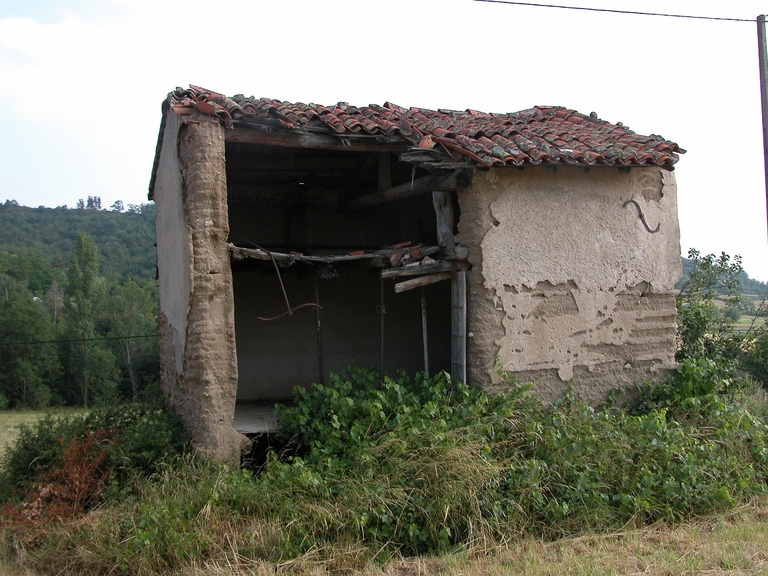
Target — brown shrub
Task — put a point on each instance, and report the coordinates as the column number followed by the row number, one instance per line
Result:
column 64, row 492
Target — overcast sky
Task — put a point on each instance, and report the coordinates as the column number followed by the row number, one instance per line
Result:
column 81, row 83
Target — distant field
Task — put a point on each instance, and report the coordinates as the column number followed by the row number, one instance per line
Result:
column 747, row 322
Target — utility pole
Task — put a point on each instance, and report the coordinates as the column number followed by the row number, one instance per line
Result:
column 761, row 46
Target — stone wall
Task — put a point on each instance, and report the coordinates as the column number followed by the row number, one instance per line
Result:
column 567, row 284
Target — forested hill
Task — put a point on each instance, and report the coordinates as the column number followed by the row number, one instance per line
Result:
column 125, row 238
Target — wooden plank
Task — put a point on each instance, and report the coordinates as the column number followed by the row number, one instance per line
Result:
column 453, row 253
column 459, row 328
column 431, row 155
column 422, row 281
column 421, row 269
column 421, row 185
column 288, row 138
column 441, row 201
column 239, row 253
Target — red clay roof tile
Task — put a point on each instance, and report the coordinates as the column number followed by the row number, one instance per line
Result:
column 540, row 135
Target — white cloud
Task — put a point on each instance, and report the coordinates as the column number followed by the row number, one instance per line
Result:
column 81, row 84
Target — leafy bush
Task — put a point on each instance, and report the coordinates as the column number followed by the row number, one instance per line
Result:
column 496, row 464
column 589, row 469
column 703, row 330
column 140, row 437
column 409, row 464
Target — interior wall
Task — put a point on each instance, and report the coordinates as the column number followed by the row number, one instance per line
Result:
column 297, row 223
column 275, row 356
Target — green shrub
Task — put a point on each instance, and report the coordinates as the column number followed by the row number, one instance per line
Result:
column 425, row 466
column 141, row 437
column 588, row 469
column 684, row 450
column 409, row 463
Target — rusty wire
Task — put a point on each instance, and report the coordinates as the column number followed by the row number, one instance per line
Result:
column 289, row 311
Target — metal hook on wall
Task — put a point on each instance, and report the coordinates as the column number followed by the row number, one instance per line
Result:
column 642, row 216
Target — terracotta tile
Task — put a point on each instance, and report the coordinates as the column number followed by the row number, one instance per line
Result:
column 543, row 134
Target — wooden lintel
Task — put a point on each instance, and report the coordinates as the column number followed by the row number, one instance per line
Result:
column 421, row 185
column 287, row 138
column 422, row 281
column 423, row 269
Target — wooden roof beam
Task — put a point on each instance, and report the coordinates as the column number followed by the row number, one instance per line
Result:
column 269, row 136
column 453, row 181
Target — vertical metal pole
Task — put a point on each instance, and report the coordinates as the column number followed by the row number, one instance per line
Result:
column 424, row 332
column 761, row 46
column 318, row 311
column 382, row 310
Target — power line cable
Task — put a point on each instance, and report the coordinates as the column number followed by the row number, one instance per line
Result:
column 76, row 340
column 616, row 11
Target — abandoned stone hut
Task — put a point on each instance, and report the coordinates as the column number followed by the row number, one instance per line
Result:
column 296, row 239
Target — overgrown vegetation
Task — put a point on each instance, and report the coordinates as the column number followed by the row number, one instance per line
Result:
column 408, row 466
column 414, row 467
column 133, row 438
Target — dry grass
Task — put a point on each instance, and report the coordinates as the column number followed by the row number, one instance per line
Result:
column 735, row 543
column 728, row 544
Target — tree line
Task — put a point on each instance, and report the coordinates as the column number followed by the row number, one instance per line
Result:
column 125, row 235
column 70, row 335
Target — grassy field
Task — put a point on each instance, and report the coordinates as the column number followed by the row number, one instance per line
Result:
column 9, row 425
column 748, row 323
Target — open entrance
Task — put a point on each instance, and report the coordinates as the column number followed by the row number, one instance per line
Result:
column 326, row 274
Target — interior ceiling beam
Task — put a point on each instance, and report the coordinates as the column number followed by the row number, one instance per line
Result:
column 278, row 164
column 452, row 181
column 268, row 136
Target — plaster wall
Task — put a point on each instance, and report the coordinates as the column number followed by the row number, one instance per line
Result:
column 174, row 248
column 567, row 285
